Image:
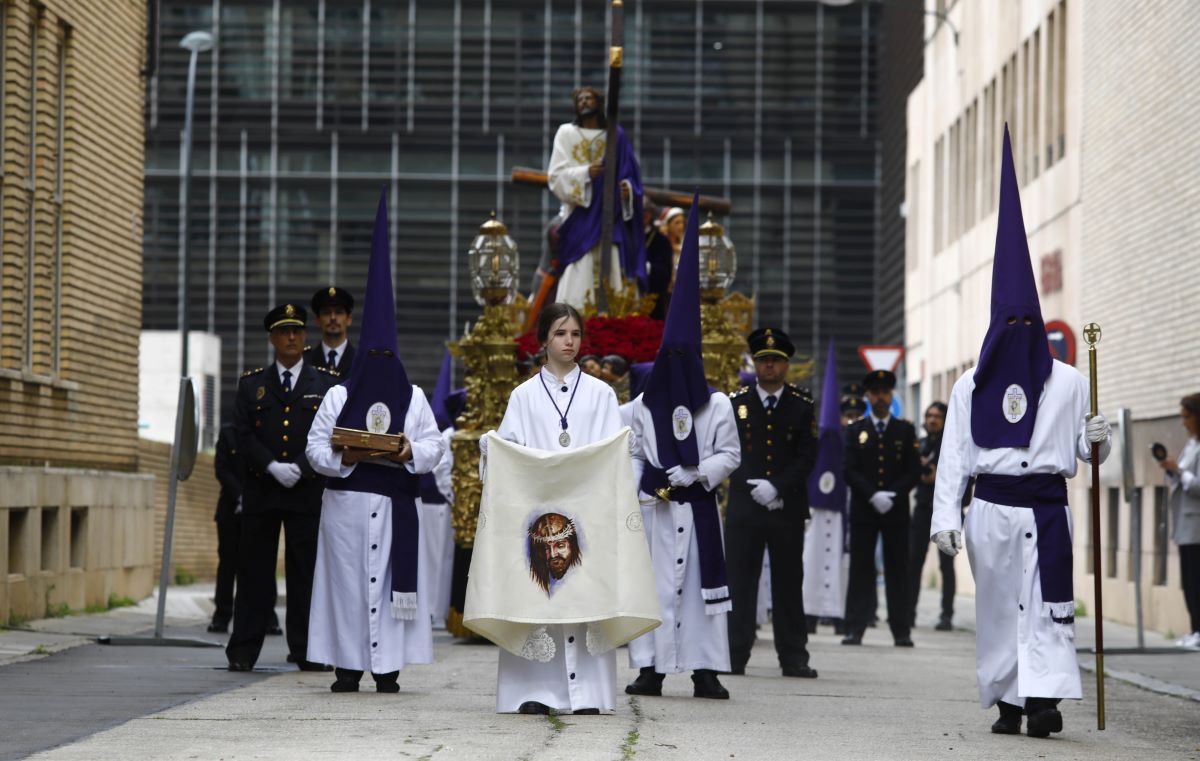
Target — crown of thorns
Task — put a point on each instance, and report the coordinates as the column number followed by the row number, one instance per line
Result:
column 566, row 533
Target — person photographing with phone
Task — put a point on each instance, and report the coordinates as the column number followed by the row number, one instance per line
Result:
column 1183, row 479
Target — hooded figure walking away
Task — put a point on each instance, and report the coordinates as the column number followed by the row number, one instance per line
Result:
column 687, row 446
column 1018, row 423
column 371, row 601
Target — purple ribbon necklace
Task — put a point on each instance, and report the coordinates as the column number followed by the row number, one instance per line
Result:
column 564, row 438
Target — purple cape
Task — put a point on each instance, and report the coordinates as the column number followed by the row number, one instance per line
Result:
column 826, row 483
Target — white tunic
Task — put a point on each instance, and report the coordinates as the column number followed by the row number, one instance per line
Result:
column 689, row 638
column 574, row 149
column 438, row 535
column 573, row 679
column 350, row 622
column 825, row 576
column 1019, row 652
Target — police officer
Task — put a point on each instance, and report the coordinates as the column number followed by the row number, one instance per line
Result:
column 231, row 474
column 768, row 504
column 333, row 311
column 273, row 411
column 883, row 464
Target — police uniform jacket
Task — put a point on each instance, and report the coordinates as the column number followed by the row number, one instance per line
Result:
column 314, row 357
column 273, row 426
column 230, row 471
column 779, row 445
column 890, row 461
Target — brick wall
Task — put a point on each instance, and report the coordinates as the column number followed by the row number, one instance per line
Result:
column 70, row 225
column 194, row 547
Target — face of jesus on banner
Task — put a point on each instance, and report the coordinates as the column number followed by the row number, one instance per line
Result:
column 553, row 548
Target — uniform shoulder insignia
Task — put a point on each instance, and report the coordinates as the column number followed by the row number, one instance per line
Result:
column 308, row 348
column 327, row 371
column 255, row 371
column 740, row 391
column 800, row 391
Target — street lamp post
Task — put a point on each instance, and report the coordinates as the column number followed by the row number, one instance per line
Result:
column 196, row 43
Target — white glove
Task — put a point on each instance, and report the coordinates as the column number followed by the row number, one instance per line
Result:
column 882, row 501
column 1098, row 429
column 238, row 510
column 949, row 541
column 762, row 491
column 775, row 504
column 683, row 475
column 286, row 473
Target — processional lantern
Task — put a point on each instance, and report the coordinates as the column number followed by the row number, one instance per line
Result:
column 494, row 264
column 718, row 260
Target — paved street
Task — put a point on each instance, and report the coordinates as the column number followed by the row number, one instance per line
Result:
column 99, row 702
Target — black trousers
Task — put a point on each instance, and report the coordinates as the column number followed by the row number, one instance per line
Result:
column 229, row 530
column 860, row 592
column 1189, row 574
column 258, row 547
column 748, row 530
column 918, row 546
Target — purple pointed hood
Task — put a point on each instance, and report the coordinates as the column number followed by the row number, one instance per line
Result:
column 1015, row 360
column 826, row 485
column 676, row 389
column 441, row 393
column 377, row 376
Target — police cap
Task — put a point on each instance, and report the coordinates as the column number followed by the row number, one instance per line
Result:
column 285, row 316
column 332, row 297
column 880, row 379
column 770, row 342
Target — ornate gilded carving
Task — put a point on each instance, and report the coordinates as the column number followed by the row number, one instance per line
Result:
column 721, row 345
column 622, row 302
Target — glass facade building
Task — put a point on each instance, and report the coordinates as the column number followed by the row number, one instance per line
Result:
column 306, row 109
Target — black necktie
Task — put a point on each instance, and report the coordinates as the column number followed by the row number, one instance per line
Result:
column 333, row 359
column 880, row 426
column 287, row 381
column 770, row 402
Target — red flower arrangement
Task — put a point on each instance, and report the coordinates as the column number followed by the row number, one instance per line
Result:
column 636, row 338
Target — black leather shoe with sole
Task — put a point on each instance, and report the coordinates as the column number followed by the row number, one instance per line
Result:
column 649, row 682
column 1009, row 722
column 533, row 708
column 706, row 685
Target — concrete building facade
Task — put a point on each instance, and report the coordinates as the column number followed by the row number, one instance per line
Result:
column 75, row 516
column 1093, row 95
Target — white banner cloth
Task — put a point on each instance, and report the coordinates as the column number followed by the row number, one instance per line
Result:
column 560, row 541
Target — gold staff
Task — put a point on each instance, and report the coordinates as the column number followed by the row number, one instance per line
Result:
column 1091, row 334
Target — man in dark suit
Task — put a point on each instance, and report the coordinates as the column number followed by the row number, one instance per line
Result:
column 768, row 504
column 231, row 473
column 882, row 465
column 333, row 310
column 273, row 411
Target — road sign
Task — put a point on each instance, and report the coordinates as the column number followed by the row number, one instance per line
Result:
column 881, row 357
column 1062, row 341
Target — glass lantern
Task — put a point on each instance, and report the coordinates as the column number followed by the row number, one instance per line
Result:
column 718, row 259
column 494, row 264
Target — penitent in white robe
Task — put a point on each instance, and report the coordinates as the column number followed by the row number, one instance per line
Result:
column 574, row 678
column 350, row 623
column 825, row 577
column 689, row 638
column 438, row 535
column 1019, row 652
column 574, row 149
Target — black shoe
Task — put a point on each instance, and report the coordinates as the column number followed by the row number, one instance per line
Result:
column 387, row 683
column 648, row 682
column 347, row 680
column 241, row 666
column 706, row 685
column 1044, row 717
column 803, row 672
column 304, row 665
column 811, row 624
column 904, row 641
column 291, row 658
column 532, row 707
column 1009, row 722
column 944, row 625
column 274, row 629
column 218, row 627
column 586, row 712
column 852, row 638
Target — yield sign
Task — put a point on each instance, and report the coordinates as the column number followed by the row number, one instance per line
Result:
column 881, row 357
